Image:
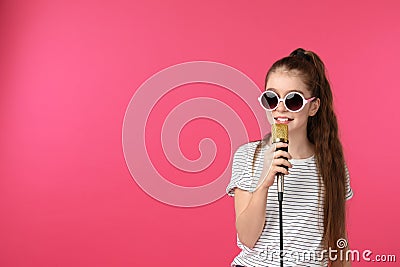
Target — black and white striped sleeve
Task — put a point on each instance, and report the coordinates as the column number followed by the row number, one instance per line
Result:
column 349, row 191
column 242, row 170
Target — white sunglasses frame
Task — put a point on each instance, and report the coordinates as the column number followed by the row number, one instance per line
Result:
column 305, row 100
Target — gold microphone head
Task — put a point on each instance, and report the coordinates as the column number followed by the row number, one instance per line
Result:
column 279, row 133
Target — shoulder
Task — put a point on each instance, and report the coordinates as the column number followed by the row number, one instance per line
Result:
column 247, row 153
column 242, row 174
column 349, row 191
column 247, row 148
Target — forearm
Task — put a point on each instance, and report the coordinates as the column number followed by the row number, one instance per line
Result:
column 344, row 260
column 343, row 263
column 347, row 260
column 347, row 264
column 250, row 222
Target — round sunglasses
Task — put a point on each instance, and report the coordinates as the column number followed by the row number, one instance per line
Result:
column 293, row 101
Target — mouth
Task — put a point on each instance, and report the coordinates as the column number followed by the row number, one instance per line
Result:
column 283, row 120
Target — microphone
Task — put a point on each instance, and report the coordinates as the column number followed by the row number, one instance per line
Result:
column 280, row 134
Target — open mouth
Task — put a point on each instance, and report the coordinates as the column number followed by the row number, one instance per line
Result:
column 282, row 119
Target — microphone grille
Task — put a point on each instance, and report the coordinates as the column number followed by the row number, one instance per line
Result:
column 279, row 133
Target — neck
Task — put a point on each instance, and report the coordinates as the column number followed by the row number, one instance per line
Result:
column 300, row 147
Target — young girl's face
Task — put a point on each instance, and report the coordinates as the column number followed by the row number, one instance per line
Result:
column 283, row 82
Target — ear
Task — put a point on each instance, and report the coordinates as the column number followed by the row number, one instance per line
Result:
column 314, row 106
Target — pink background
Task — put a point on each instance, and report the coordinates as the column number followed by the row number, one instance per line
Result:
column 69, row 69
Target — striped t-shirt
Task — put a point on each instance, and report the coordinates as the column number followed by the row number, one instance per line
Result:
column 302, row 212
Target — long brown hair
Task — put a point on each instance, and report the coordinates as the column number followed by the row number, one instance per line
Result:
column 322, row 131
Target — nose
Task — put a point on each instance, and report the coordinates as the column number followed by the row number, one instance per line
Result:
column 281, row 107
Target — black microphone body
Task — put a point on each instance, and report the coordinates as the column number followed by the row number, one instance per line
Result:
column 280, row 134
column 280, row 176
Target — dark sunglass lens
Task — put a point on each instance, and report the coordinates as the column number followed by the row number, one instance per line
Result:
column 294, row 101
column 269, row 100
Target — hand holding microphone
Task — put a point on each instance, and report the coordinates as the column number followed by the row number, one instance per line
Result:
column 280, row 135
column 276, row 157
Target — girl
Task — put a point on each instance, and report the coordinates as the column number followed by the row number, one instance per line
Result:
column 317, row 184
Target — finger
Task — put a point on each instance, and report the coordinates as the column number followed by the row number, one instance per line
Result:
column 281, row 153
column 280, row 169
column 280, row 144
column 284, row 162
